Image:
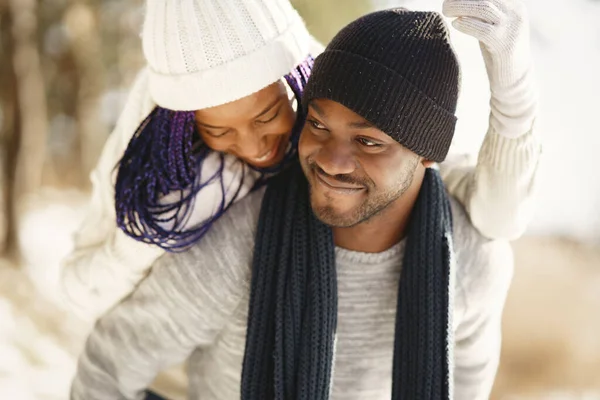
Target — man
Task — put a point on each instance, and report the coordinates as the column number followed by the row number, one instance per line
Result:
column 360, row 278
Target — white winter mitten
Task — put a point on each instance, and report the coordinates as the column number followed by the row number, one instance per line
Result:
column 502, row 28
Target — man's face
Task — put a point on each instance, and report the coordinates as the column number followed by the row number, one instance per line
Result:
column 355, row 171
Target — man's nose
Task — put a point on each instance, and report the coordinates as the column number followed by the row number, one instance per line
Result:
column 336, row 158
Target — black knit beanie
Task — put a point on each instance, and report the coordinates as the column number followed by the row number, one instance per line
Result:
column 397, row 69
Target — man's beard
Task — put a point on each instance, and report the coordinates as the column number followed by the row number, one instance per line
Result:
column 368, row 209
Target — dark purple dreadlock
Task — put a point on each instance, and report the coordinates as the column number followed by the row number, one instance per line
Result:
column 165, row 155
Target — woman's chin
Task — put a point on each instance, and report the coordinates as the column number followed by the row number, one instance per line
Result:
column 273, row 157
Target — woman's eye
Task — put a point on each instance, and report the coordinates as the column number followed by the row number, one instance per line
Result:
column 367, row 142
column 266, row 121
column 217, row 134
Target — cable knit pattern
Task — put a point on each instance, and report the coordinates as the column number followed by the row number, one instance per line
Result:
column 184, row 308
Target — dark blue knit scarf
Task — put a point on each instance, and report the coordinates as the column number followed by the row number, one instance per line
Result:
column 293, row 305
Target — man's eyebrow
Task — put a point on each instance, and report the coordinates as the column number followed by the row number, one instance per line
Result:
column 355, row 124
column 318, row 109
column 360, row 125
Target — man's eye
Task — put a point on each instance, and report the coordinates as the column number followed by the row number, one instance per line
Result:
column 316, row 124
column 368, row 143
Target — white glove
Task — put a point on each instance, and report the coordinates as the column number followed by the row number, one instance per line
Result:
column 502, row 28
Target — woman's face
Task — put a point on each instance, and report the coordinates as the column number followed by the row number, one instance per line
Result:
column 256, row 128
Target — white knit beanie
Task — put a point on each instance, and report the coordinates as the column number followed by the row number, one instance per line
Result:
column 204, row 53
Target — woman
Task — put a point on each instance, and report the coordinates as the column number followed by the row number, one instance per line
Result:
column 213, row 115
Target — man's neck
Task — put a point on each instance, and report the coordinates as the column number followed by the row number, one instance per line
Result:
column 383, row 230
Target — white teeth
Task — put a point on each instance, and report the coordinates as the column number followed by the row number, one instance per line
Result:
column 265, row 157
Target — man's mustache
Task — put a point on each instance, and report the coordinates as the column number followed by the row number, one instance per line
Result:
column 343, row 178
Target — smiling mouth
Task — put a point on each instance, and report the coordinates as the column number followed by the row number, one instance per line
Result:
column 269, row 155
column 266, row 157
column 336, row 186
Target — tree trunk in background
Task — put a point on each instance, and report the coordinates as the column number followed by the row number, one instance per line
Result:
column 8, row 133
column 31, row 98
column 81, row 22
column 31, row 125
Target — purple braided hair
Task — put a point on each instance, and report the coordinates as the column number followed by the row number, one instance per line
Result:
column 165, row 156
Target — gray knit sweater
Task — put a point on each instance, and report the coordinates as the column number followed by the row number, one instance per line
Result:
column 195, row 303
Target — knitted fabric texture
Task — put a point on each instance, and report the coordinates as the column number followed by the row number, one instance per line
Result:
column 292, row 315
column 397, row 69
column 196, row 62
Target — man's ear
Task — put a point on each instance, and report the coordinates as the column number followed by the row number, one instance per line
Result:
column 427, row 163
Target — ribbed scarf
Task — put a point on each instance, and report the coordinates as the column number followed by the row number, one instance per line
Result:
column 292, row 316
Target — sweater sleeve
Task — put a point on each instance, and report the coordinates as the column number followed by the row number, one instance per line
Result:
column 484, row 273
column 184, row 303
column 105, row 264
column 498, row 192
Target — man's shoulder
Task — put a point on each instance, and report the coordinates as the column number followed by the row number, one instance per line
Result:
column 229, row 242
column 242, row 216
column 236, row 228
column 483, row 273
column 478, row 258
column 465, row 236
